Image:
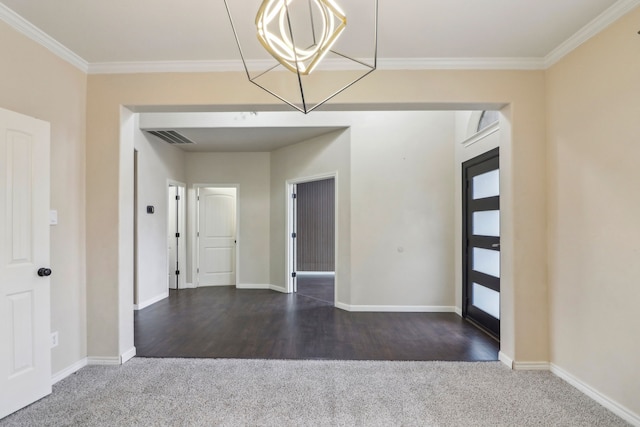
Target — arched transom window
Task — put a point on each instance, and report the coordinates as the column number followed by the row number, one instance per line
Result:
column 487, row 118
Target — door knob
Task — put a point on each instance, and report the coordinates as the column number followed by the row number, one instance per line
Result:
column 43, row 272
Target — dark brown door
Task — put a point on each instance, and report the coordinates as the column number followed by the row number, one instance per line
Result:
column 481, row 241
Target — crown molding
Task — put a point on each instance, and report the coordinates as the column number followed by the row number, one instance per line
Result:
column 327, row 65
column 606, row 18
column 620, row 8
column 164, row 67
column 34, row 33
column 461, row 64
column 205, row 66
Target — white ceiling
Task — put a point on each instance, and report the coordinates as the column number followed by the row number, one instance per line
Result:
column 127, row 31
column 245, row 131
column 251, row 139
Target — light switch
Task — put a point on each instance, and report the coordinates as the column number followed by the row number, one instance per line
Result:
column 53, row 217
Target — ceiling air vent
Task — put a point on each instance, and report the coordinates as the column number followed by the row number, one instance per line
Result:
column 171, row 136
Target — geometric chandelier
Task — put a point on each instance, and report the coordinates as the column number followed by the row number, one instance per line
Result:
column 297, row 41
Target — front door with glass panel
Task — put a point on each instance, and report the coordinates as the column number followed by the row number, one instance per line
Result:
column 481, row 241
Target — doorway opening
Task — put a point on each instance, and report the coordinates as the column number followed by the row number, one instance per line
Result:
column 312, row 248
column 281, row 276
column 481, row 241
column 217, row 236
column 176, row 247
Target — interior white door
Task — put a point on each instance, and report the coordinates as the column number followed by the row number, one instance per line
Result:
column 172, row 240
column 25, row 351
column 217, row 237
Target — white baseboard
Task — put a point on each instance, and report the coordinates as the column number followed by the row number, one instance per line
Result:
column 253, row 286
column 397, row 308
column 150, row 301
column 103, row 360
column 531, row 366
column 69, row 370
column 618, row 409
column 261, row 286
column 316, row 273
column 505, row 359
column 458, row 311
column 112, row 360
column 343, row 306
column 128, row 355
column 211, row 286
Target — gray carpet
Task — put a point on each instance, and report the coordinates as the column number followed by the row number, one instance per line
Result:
column 219, row 392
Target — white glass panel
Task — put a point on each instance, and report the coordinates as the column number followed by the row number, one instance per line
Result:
column 486, row 261
column 486, row 185
column 486, row 300
column 486, row 223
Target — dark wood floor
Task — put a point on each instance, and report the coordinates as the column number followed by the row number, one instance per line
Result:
column 319, row 286
column 224, row 322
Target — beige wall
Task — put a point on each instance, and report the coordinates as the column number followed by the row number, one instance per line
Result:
column 35, row 82
column 251, row 173
column 593, row 113
column 158, row 162
column 402, row 209
column 326, row 154
column 395, row 206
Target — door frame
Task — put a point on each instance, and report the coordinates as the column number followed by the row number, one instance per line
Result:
column 194, row 219
column 290, row 243
column 182, row 246
column 477, row 160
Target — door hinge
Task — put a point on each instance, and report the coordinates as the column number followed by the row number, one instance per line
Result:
column 177, row 272
column 197, row 270
column 177, row 234
column 294, row 196
column 294, row 235
column 293, row 274
column 198, row 234
column 177, row 197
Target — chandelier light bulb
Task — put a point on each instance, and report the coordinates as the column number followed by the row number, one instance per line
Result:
column 275, row 33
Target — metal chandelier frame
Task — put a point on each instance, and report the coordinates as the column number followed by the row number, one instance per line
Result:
column 305, row 106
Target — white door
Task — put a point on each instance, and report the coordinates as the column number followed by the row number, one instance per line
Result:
column 25, row 351
column 217, row 236
column 172, row 240
column 175, row 238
